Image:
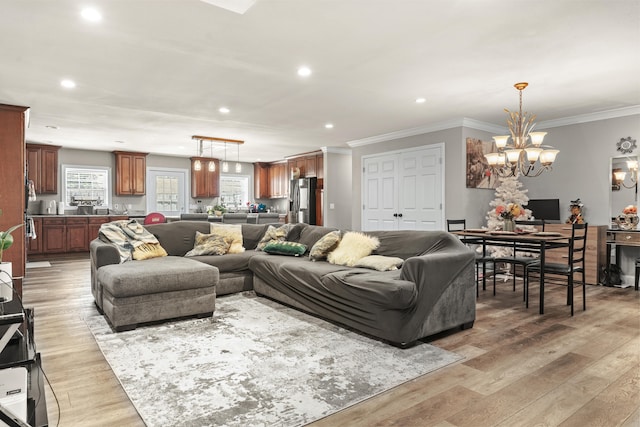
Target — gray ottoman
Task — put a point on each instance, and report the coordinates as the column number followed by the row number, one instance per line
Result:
column 156, row 289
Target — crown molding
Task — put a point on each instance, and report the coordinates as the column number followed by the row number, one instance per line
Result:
column 590, row 117
column 336, row 150
column 434, row 127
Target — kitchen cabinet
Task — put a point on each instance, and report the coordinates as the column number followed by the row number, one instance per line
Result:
column 93, row 228
column 204, row 182
column 310, row 166
column 278, row 182
column 131, row 171
column 42, row 167
column 261, row 183
column 320, row 166
column 34, row 246
column 54, row 235
column 77, row 232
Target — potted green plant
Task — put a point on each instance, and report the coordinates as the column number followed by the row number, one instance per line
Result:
column 219, row 210
column 6, row 239
column 6, row 270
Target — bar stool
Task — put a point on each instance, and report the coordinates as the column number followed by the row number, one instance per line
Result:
column 637, row 273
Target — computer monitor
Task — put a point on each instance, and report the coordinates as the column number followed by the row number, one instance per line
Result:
column 547, row 209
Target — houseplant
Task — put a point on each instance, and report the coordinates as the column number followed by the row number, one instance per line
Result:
column 6, row 239
column 6, row 271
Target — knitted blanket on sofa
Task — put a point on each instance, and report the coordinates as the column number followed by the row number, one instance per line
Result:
column 132, row 240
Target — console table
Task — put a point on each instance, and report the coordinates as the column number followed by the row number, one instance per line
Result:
column 618, row 238
column 20, row 351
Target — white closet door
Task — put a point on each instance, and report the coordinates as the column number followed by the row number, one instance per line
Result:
column 403, row 190
column 380, row 193
column 420, row 190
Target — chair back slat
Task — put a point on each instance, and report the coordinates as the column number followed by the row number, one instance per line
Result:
column 532, row 222
column 456, row 224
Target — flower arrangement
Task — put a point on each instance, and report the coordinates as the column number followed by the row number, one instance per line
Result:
column 630, row 210
column 510, row 211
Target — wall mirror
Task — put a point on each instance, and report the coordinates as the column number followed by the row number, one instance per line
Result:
column 624, row 184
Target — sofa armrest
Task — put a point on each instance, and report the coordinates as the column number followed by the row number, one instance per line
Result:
column 103, row 253
column 434, row 272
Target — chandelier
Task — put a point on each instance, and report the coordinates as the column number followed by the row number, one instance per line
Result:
column 216, row 141
column 525, row 154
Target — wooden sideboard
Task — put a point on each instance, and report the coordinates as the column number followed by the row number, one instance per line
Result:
column 595, row 255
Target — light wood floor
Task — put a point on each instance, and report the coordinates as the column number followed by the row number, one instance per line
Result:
column 521, row 369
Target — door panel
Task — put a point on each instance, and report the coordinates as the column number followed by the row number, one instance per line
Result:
column 403, row 190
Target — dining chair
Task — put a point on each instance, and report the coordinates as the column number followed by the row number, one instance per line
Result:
column 575, row 264
column 234, row 218
column 459, row 225
column 515, row 260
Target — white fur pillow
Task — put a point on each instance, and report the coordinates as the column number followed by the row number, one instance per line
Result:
column 353, row 247
column 380, row 262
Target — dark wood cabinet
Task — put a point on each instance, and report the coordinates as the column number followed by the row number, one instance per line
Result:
column 77, row 234
column 42, row 167
column 278, row 182
column 34, row 246
column 261, row 180
column 93, row 228
column 131, row 169
column 54, row 238
column 320, row 166
column 310, row 166
column 205, row 182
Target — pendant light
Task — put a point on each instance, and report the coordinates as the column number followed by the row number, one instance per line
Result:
column 225, row 164
column 212, row 163
column 238, row 165
column 197, row 165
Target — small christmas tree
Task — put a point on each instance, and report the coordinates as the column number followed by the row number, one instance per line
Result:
column 508, row 191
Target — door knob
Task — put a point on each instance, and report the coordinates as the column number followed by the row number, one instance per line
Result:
column 400, row 215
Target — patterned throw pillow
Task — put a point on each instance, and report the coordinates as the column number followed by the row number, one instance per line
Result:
column 326, row 244
column 380, row 262
column 285, row 248
column 233, row 232
column 273, row 234
column 209, row 244
column 353, row 247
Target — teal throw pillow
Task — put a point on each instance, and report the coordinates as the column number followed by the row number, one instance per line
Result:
column 285, row 248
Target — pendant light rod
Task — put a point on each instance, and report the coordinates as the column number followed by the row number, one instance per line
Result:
column 211, row 138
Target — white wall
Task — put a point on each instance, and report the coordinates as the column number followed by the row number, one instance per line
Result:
column 338, row 191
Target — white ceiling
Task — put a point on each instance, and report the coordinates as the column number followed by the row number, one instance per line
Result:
column 153, row 73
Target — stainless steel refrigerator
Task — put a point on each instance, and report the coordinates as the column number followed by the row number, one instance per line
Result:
column 303, row 200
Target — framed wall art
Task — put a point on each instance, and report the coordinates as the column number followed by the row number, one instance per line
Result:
column 478, row 172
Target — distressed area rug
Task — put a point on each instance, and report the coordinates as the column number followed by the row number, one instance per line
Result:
column 256, row 363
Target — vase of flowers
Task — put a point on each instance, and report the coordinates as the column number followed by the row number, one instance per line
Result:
column 508, row 213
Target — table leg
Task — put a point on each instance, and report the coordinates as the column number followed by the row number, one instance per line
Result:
column 542, row 248
column 605, row 280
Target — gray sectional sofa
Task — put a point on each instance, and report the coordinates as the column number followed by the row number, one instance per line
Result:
column 432, row 292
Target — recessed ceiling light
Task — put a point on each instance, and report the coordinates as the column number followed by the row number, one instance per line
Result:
column 420, row 100
column 329, row 126
column 91, row 14
column 304, row 71
column 51, row 127
column 224, row 110
column 69, row 84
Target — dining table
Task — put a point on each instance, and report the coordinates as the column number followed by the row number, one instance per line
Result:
column 523, row 241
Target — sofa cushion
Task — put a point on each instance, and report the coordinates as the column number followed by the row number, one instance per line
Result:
column 166, row 274
column 285, row 248
column 229, row 263
column 324, row 246
column 251, row 235
column 309, row 234
column 380, row 262
column 209, row 244
column 178, row 237
column 353, row 246
column 231, row 231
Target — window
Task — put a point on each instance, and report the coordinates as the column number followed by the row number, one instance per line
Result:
column 234, row 191
column 86, row 185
